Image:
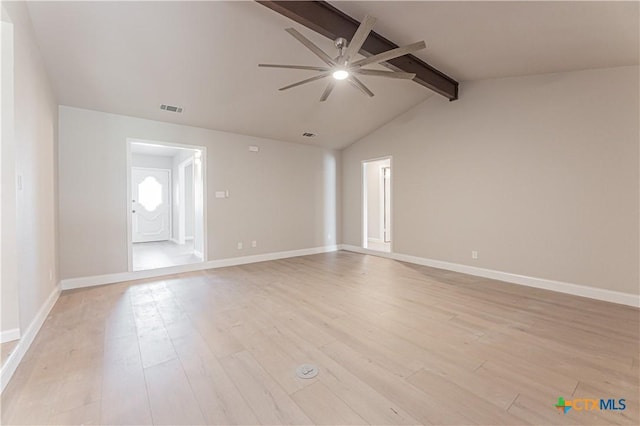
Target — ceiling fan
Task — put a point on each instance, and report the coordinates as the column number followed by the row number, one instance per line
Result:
column 343, row 67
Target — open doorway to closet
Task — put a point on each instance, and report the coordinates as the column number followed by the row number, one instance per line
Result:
column 166, row 205
column 376, row 208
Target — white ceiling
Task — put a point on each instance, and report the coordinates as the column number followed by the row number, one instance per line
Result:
column 476, row 40
column 130, row 57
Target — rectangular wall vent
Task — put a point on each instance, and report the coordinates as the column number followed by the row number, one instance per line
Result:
column 171, row 108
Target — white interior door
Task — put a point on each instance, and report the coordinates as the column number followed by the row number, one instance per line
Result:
column 387, row 203
column 151, row 205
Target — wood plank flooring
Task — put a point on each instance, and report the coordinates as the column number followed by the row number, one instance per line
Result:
column 395, row 343
column 162, row 254
column 6, row 349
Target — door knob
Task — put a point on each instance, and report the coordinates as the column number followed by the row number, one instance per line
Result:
column 133, row 211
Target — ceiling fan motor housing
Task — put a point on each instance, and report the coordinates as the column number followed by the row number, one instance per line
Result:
column 341, row 43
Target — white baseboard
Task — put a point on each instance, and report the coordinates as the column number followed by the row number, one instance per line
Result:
column 558, row 286
column 81, row 282
column 9, row 335
column 11, row 364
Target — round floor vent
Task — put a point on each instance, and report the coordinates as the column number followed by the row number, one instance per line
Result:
column 307, row 371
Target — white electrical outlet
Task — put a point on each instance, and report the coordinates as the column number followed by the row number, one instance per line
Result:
column 254, row 243
column 474, row 254
column 239, row 246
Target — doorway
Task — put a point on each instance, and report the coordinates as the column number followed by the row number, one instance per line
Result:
column 166, row 205
column 376, row 204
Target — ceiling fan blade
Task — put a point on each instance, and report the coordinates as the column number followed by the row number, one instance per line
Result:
column 311, row 46
column 389, row 74
column 294, row 67
column 327, row 91
column 359, row 85
column 390, row 54
column 359, row 37
column 308, row 80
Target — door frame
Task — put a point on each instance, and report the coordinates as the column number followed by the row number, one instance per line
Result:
column 170, row 198
column 383, row 204
column 203, row 160
column 364, row 231
column 182, row 226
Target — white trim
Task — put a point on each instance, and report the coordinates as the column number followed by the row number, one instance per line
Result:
column 557, row 286
column 11, row 364
column 182, row 183
column 384, row 231
column 149, row 142
column 205, row 207
column 363, row 205
column 189, row 238
column 9, row 335
column 81, row 282
column 205, row 199
column 173, row 240
column 375, row 240
column 363, row 201
column 129, row 218
column 381, row 212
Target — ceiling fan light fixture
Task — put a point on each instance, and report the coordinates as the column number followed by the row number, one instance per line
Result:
column 346, row 66
column 340, row 74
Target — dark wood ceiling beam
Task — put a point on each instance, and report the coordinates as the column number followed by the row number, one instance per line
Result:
column 325, row 19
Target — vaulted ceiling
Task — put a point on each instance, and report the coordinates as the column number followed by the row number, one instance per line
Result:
column 130, row 57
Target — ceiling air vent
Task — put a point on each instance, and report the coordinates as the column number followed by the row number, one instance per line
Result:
column 308, row 135
column 171, row 108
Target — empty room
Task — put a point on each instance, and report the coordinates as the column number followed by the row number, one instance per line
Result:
column 312, row 212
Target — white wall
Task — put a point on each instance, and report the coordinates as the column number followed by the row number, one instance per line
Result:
column 285, row 196
column 9, row 319
column 30, row 211
column 151, row 161
column 539, row 174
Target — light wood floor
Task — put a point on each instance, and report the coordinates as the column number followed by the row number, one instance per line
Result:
column 396, row 344
column 7, row 349
column 162, row 254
